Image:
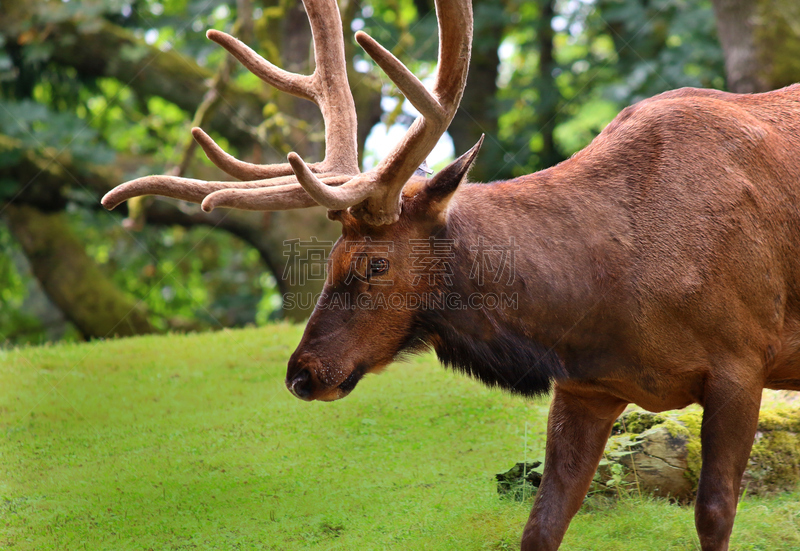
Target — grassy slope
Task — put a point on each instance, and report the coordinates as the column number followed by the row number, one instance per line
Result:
column 193, row 442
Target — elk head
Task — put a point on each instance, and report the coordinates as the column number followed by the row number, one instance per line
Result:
column 369, row 311
column 386, row 204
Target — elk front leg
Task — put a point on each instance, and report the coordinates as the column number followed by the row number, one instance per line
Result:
column 577, row 430
column 730, row 419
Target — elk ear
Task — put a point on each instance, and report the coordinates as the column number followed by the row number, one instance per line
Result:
column 444, row 183
column 349, row 222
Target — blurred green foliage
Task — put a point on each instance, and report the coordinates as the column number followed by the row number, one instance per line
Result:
column 189, row 279
column 13, row 321
column 607, row 54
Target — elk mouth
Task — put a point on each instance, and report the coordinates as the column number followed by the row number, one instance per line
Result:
column 309, row 387
column 351, row 381
column 345, row 387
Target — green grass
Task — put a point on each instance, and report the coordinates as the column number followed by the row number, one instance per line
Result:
column 192, row 442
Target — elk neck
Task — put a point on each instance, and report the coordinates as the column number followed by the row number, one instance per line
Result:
column 537, row 279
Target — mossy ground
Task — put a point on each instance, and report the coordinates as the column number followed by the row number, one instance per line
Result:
column 192, row 442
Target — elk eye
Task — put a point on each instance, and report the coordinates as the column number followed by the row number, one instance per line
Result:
column 378, row 266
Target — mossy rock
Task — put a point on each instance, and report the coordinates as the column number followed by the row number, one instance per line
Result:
column 774, row 464
column 654, row 461
column 520, row 481
column 659, row 454
column 636, row 422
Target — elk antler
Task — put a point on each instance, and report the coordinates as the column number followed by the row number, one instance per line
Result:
column 336, row 182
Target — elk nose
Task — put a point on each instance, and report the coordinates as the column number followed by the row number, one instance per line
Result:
column 300, row 384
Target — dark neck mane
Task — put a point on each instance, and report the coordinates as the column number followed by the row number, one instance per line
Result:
column 487, row 344
column 506, row 360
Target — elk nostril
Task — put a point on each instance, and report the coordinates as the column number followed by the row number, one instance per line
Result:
column 300, row 385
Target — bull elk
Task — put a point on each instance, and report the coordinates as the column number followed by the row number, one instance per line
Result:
column 659, row 266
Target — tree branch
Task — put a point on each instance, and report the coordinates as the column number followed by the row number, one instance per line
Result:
column 107, row 50
column 71, row 278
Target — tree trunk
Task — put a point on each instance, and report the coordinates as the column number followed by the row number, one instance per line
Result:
column 106, row 50
column 287, row 242
column 71, row 278
column 777, row 37
column 761, row 43
column 549, row 94
column 478, row 112
column 736, row 29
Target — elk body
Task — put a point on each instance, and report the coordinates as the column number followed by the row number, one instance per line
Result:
column 659, row 266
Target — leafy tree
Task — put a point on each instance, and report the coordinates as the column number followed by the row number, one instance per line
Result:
column 115, row 84
column 761, row 40
column 99, row 91
column 571, row 66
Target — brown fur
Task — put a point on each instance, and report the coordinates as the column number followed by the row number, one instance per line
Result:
column 659, row 266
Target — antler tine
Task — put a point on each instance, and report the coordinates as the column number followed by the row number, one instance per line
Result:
column 327, row 87
column 285, row 81
column 375, row 195
column 187, row 189
column 455, row 44
column 380, row 204
column 348, row 194
column 240, row 169
column 335, row 98
column 298, row 85
column 411, row 87
column 280, row 197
